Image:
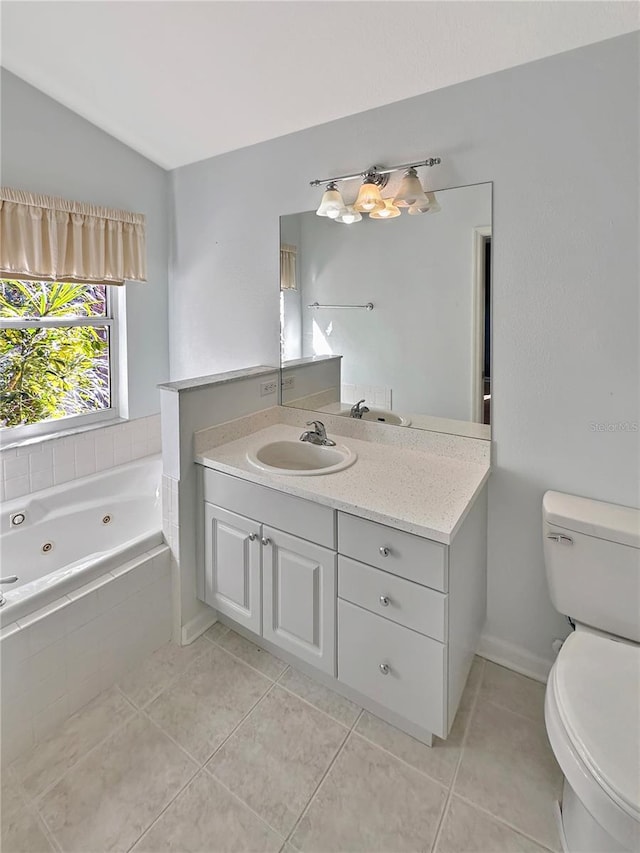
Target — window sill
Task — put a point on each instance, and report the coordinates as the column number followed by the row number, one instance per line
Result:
column 64, row 433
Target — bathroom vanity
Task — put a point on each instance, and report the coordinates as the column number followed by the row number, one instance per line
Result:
column 371, row 579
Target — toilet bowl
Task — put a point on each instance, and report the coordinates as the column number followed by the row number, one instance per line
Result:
column 592, row 714
column 592, row 702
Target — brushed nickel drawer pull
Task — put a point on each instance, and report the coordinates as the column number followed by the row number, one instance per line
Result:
column 384, row 668
column 384, row 550
column 266, row 540
column 253, row 537
column 385, row 600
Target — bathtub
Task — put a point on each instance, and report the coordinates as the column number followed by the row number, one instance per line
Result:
column 69, row 535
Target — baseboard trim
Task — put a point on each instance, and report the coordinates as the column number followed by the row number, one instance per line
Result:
column 514, row 657
column 198, row 625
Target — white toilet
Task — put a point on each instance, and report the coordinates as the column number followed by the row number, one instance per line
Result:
column 592, row 706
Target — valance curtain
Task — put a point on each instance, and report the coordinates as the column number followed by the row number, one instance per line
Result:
column 288, row 267
column 50, row 239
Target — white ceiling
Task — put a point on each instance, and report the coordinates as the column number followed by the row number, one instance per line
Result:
column 181, row 80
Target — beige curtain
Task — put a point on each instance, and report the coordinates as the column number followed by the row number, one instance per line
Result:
column 288, row 268
column 50, row 239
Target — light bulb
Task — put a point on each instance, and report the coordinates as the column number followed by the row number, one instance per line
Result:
column 410, row 189
column 369, row 198
column 427, row 204
column 349, row 215
column 332, row 203
column 389, row 211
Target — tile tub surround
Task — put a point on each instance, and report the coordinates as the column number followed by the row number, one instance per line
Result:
column 39, row 464
column 114, row 778
column 411, row 489
column 58, row 658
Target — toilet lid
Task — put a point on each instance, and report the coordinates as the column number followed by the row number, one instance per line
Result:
column 597, row 689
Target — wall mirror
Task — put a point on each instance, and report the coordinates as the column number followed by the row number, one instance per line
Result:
column 390, row 320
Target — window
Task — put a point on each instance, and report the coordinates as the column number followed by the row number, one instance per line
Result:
column 58, row 353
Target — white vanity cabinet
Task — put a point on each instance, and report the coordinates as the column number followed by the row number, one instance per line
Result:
column 276, row 584
column 386, row 617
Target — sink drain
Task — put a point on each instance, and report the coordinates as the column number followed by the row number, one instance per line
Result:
column 47, row 547
column 106, row 519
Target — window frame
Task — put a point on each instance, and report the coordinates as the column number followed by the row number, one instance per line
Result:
column 72, row 423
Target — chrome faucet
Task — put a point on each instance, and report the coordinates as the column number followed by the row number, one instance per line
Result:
column 358, row 410
column 317, row 435
column 9, row 579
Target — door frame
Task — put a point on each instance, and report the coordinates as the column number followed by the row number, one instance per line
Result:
column 481, row 233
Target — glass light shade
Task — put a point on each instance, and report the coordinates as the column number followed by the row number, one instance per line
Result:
column 332, row 203
column 389, row 211
column 369, row 199
column 349, row 215
column 427, row 204
column 410, row 189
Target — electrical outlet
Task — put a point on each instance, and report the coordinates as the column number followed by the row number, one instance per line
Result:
column 269, row 387
column 288, row 383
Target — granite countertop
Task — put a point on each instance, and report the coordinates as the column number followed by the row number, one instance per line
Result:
column 414, row 490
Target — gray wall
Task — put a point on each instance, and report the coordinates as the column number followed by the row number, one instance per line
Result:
column 559, row 139
column 46, row 148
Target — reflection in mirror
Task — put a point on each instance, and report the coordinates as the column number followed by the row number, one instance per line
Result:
column 390, row 321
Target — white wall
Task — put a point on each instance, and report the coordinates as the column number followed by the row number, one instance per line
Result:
column 559, row 139
column 48, row 149
column 418, row 272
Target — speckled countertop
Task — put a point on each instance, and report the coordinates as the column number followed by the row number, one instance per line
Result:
column 424, row 493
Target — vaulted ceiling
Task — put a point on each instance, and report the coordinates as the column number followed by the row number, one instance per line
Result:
column 182, row 80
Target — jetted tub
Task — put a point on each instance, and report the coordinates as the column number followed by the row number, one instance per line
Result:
column 61, row 538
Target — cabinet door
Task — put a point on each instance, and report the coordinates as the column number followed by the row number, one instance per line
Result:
column 299, row 605
column 232, row 566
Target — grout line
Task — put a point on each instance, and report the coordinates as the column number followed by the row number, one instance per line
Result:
column 504, row 822
column 201, row 766
column 442, row 784
column 463, row 744
column 322, row 778
column 242, row 660
column 316, row 708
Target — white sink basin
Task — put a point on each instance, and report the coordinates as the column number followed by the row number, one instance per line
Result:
column 296, row 458
column 384, row 416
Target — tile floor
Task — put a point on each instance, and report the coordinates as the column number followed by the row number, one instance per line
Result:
column 220, row 746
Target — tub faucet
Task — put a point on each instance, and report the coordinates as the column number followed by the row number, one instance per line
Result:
column 9, row 579
column 317, row 435
column 358, row 410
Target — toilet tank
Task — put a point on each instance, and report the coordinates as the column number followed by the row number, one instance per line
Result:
column 592, row 559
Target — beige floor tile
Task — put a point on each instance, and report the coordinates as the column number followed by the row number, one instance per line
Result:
column 508, row 769
column 278, row 755
column 142, row 684
column 329, row 701
column 216, row 631
column 112, row 795
column 206, row 817
column 48, row 761
column 10, row 797
column 513, row 691
column 205, row 704
column 256, row 657
column 440, row 760
column 22, row 833
column 370, row 801
column 468, row 830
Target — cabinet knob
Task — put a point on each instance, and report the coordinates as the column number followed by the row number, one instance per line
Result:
column 266, row 541
column 384, row 600
column 253, row 537
column 384, row 550
column 384, row 668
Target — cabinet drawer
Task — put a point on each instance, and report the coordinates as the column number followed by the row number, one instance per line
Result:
column 413, row 685
column 297, row 516
column 395, row 551
column 394, row 598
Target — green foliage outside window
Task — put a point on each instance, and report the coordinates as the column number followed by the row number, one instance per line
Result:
column 52, row 371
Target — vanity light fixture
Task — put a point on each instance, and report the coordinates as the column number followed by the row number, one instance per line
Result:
column 410, row 194
column 332, row 204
